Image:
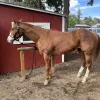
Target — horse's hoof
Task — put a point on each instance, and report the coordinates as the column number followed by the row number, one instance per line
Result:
column 83, row 81
column 46, row 82
column 22, row 79
column 78, row 76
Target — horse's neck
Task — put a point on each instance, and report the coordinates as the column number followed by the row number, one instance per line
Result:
column 31, row 32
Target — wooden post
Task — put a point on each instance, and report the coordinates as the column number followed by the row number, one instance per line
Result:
column 22, row 49
column 22, row 64
column 25, row 48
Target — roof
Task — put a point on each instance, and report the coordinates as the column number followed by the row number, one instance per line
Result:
column 81, row 25
column 96, row 25
column 27, row 8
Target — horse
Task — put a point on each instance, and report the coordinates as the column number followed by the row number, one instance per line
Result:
column 52, row 42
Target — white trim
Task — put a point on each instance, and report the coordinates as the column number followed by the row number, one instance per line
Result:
column 63, row 24
column 63, row 29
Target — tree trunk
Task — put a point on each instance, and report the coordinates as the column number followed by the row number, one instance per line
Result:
column 66, row 12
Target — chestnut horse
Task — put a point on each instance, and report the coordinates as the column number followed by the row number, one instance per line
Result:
column 52, row 42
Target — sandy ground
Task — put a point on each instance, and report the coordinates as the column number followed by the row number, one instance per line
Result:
column 63, row 86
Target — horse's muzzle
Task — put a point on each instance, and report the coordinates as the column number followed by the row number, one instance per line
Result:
column 10, row 39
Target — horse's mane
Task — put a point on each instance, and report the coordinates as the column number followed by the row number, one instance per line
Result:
column 30, row 25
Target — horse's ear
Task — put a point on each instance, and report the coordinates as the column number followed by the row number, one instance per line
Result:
column 13, row 20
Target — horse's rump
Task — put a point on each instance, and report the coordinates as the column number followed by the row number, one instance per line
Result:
column 97, row 49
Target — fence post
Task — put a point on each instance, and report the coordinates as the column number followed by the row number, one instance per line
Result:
column 22, row 64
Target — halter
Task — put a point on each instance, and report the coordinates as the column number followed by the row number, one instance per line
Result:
column 15, row 37
column 17, row 33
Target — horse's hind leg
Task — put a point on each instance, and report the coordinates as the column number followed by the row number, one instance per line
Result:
column 88, row 66
column 82, row 55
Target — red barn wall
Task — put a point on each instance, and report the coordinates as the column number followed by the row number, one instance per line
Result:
column 9, row 56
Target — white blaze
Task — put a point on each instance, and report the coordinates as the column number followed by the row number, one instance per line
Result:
column 10, row 37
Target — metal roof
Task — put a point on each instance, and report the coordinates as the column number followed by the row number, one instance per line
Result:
column 33, row 9
column 81, row 25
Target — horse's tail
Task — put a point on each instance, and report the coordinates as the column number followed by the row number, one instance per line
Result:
column 98, row 48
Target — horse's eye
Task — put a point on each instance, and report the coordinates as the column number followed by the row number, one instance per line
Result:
column 12, row 29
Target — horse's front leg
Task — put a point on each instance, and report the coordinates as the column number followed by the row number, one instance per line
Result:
column 52, row 66
column 47, row 60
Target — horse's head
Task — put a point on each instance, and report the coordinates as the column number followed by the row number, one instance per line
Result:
column 16, row 32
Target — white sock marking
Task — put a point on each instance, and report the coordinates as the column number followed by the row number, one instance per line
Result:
column 86, row 75
column 80, row 71
column 46, row 82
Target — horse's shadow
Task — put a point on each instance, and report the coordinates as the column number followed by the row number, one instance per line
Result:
column 71, row 56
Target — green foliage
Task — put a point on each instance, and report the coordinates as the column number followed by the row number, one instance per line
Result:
column 96, row 20
column 57, row 4
column 87, row 20
column 34, row 4
column 72, row 21
column 79, row 16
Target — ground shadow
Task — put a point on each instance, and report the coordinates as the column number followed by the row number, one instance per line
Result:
column 71, row 56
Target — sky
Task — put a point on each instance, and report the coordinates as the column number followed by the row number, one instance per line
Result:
column 93, row 11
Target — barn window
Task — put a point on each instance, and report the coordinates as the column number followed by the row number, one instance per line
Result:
column 25, row 40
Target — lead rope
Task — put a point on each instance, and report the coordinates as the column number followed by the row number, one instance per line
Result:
column 33, row 63
column 33, row 59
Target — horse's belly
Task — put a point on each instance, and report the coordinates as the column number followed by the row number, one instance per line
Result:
column 63, row 50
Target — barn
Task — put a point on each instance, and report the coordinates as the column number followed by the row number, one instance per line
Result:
column 9, row 56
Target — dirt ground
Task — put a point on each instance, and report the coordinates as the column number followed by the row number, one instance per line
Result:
column 63, row 86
